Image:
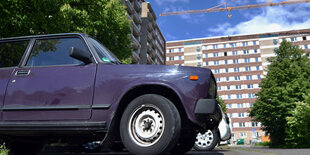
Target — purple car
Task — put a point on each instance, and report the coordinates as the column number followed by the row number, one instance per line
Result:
column 70, row 88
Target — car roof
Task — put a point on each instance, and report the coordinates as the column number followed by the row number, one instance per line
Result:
column 42, row 36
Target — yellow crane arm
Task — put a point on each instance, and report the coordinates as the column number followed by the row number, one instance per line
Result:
column 225, row 8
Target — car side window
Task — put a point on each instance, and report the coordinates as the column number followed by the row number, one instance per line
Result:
column 12, row 52
column 54, row 52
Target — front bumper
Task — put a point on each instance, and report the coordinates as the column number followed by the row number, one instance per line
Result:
column 208, row 113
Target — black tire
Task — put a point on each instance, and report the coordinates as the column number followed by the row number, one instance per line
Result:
column 158, row 128
column 117, row 147
column 206, row 141
column 185, row 143
column 23, row 148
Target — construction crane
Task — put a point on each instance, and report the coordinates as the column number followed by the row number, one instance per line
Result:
column 224, row 7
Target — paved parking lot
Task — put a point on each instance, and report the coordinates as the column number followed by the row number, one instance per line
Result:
column 243, row 150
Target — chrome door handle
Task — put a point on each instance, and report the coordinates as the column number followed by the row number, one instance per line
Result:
column 22, row 73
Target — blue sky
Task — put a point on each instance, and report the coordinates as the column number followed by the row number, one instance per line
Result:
column 268, row 19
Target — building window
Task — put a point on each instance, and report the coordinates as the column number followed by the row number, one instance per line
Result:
column 233, row 44
column 216, row 71
column 199, row 64
column 224, row 45
column 234, row 53
column 306, row 46
column 236, row 69
column 251, row 95
column 198, row 49
column 229, row 106
column 256, row 59
column 198, row 56
column 243, row 135
column 254, row 42
column 275, row 42
column 250, row 86
column 226, row 62
column 227, row 70
column 218, row 79
column 293, row 39
column 207, row 63
column 244, row 43
column 225, row 54
column 214, row 46
column 242, row 125
column 237, row 78
column 304, row 38
column 238, row 86
column 247, row 69
column 228, row 87
column 171, row 58
column 216, row 62
column 251, row 105
column 240, row 105
column 170, row 50
column 235, row 61
column 180, row 57
column 249, row 77
column 255, row 50
column 205, row 47
column 215, row 54
column 240, row 114
column 254, row 124
column 246, row 60
column 219, row 88
column 257, row 68
column 180, row 49
column 228, row 96
column 246, row 52
column 206, row 55
column 239, row 96
column 258, row 77
column 231, row 116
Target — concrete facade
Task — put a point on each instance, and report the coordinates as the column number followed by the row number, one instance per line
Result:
column 238, row 63
column 148, row 41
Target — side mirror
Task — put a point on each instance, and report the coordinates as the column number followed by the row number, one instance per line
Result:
column 81, row 55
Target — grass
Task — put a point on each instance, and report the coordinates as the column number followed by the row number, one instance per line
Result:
column 263, row 144
column 3, row 150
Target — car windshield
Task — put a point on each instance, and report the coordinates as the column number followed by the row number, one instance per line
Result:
column 105, row 54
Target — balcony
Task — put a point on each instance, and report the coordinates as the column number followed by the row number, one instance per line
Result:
column 137, row 6
column 154, row 24
column 137, row 19
column 136, row 44
column 154, row 43
column 149, row 37
column 154, row 52
column 148, row 48
column 129, row 8
column 149, row 59
column 150, row 16
column 149, row 27
column 135, row 57
column 135, row 29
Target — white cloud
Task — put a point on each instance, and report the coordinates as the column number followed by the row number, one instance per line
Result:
column 271, row 19
column 160, row 2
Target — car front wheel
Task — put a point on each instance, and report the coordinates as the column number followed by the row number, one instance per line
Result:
column 150, row 124
column 206, row 141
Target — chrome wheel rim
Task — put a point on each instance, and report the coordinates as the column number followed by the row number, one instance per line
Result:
column 204, row 140
column 146, row 125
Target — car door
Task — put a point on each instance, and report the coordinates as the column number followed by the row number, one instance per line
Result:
column 11, row 52
column 51, row 85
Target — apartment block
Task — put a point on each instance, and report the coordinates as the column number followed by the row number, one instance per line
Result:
column 148, row 41
column 238, row 63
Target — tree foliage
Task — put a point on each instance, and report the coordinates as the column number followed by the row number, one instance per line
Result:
column 106, row 20
column 222, row 103
column 287, row 82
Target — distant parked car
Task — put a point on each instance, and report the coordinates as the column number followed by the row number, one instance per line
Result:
column 208, row 140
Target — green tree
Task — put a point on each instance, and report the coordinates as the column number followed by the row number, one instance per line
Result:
column 222, row 103
column 299, row 125
column 106, row 20
column 286, row 82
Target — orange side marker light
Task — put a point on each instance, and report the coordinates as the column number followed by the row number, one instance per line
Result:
column 193, row 77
